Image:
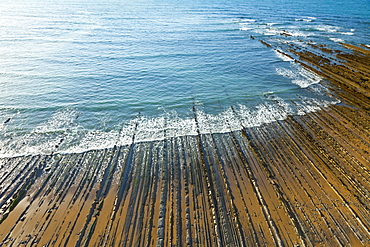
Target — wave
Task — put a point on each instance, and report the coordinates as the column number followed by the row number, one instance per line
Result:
column 327, row 28
column 299, row 75
column 337, row 40
column 306, row 19
column 63, row 134
column 348, row 33
column 282, row 56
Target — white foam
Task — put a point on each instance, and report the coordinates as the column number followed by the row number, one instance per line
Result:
column 308, row 105
column 271, row 31
column 299, row 75
column 306, row 19
column 247, row 20
column 347, row 33
column 247, row 24
column 167, row 126
column 285, row 72
column 177, row 126
column 60, row 121
column 218, row 123
column 261, row 114
column 150, row 129
column 337, row 40
column 283, row 57
column 327, row 28
column 58, row 135
column 298, row 34
column 245, row 28
column 91, row 140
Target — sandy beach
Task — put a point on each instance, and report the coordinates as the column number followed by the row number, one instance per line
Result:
column 303, row 181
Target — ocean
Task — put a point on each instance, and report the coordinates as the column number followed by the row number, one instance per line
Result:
column 81, row 75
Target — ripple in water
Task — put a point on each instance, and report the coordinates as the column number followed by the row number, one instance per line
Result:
column 83, row 75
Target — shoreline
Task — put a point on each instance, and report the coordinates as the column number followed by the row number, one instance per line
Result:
column 299, row 181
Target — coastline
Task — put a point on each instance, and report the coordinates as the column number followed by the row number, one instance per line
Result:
column 299, row 181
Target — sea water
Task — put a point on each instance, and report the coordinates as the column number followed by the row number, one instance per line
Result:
column 82, row 74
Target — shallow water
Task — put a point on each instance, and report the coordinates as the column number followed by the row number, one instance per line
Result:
column 79, row 75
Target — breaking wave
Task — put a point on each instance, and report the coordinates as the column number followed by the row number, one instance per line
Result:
column 64, row 134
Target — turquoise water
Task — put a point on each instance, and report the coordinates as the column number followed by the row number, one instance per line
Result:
column 78, row 75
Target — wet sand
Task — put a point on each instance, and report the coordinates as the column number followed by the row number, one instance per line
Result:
column 303, row 181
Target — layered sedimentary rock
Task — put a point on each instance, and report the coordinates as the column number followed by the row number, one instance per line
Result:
column 302, row 181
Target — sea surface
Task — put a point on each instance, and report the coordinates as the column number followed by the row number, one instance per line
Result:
column 83, row 74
